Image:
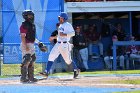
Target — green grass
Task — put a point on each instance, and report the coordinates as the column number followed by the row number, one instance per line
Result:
column 104, row 72
column 9, row 70
column 114, row 72
column 126, row 81
column 137, row 91
column 14, row 69
column 135, row 81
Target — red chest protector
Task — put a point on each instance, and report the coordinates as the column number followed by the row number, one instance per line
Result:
column 31, row 31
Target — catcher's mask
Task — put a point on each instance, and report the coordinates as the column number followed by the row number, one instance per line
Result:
column 28, row 15
column 63, row 15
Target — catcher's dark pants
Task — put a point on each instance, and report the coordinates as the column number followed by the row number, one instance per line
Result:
column 27, row 67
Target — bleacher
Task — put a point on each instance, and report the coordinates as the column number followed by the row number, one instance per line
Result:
column 108, row 11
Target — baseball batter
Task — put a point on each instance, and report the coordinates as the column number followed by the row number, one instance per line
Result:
column 63, row 47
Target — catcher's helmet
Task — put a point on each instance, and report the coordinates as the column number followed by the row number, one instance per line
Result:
column 64, row 16
column 25, row 14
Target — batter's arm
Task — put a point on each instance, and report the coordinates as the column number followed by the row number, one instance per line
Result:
column 67, row 35
column 71, row 34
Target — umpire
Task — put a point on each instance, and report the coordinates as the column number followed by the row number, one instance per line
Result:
column 28, row 33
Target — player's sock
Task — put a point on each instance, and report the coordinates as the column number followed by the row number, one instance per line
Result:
column 49, row 65
column 75, row 70
column 74, row 65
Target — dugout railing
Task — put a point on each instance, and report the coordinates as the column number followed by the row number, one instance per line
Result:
column 121, row 43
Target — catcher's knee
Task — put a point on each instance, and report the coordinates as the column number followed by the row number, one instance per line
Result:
column 31, row 65
column 26, row 59
column 33, row 58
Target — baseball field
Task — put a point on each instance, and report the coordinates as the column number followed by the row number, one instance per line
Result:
column 127, row 81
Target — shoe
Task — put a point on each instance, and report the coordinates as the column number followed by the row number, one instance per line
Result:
column 44, row 74
column 34, row 80
column 24, row 80
column 76, row 73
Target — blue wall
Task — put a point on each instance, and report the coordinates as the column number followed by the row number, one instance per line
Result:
column 46, row 16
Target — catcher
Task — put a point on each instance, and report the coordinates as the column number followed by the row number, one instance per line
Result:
column 28, row 34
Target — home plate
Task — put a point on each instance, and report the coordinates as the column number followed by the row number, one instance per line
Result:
column 62, row 77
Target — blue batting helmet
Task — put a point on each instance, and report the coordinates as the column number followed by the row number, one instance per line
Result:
column 64, row 16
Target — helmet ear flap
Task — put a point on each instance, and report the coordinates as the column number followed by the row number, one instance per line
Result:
column 24, row 15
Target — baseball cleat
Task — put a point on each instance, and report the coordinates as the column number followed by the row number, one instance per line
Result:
column 34, row 80
column 76, row 73
column 24, row 80
column 44, row 74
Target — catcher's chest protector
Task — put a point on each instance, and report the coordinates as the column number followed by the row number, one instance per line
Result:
column 31, row 31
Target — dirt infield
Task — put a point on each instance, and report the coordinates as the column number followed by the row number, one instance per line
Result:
column 82, row 81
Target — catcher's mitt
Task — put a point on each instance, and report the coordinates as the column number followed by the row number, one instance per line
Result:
column 42, row 47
